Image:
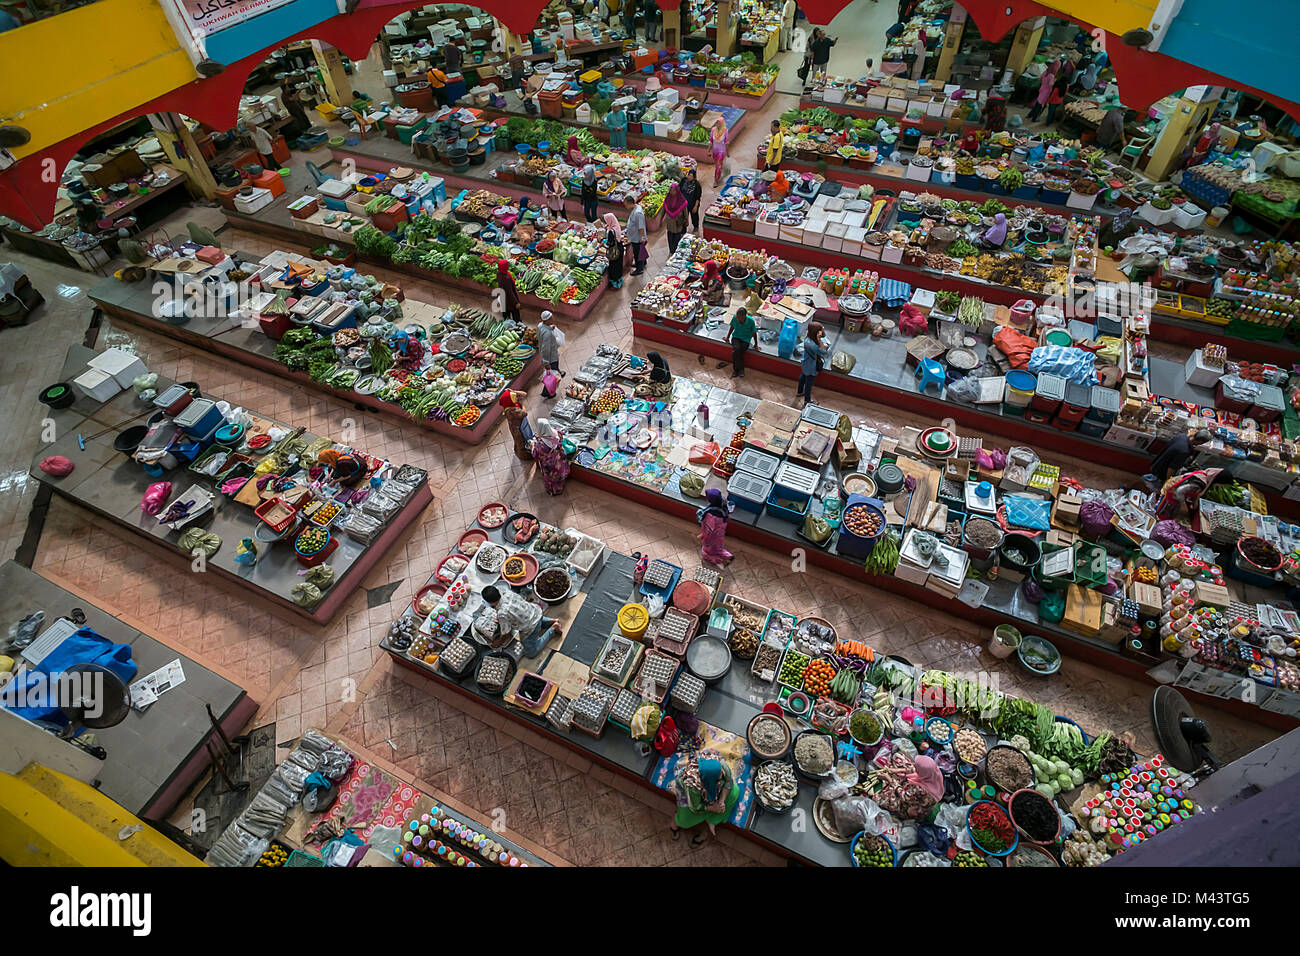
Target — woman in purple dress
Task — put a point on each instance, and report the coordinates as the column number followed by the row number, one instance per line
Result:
column 713, row 529
column 548, row 452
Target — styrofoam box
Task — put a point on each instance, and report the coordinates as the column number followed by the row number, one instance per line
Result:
column 1198, row 373
column 767, row 228
column 668, row 95
column 890, row 253
column 853, row 236
column 97, row 384
column 260, row 198
column 821, row 201
column 123, row 366
column 335, row 189
column 814, row 232
column 909, row 572
column 791, row 232
column 855, row 219
column 835, row 217
column 876, row 101
column 834, row 239
column 834, row 95
column 871, row 251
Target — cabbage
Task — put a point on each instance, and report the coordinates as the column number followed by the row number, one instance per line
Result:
column 1064, row 782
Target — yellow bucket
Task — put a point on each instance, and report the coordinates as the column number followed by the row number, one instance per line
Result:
column 633, row 619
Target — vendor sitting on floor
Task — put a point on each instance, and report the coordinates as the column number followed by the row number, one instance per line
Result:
column 996, row 234
column 715, row 290
column 660, row 382
column 503, row 617
column 575, row 156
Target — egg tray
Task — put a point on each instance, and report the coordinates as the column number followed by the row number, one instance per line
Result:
column 660, row 573
column 624, row 708
column 590, row 709
column 688, row 692
column 622, row 672
column 494, row 673
column 458, row 657
column 676, row 629
column 710, row 578
column 557, row 715
column 655, row 676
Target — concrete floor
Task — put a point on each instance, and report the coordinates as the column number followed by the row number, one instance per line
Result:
column 556, row 804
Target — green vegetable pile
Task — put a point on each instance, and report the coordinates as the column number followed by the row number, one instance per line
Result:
column 884, row 556
column 864, row 727
column 971, row 311
column 961, row 249
column 947, row 301
column 699, row 134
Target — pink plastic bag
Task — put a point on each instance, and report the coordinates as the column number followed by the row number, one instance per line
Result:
column 550, row 382
column 155, row 496
column 911, row 321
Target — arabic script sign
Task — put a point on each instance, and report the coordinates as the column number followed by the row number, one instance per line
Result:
column 206, row 17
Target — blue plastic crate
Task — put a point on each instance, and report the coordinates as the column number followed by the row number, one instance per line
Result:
column 787, row 509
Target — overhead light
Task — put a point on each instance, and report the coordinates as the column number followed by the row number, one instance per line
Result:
column 207, row 67
column 1138, row 38
column 12, row 136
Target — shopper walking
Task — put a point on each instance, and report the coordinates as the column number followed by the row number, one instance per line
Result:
column 629, row 18
column 636, row 235
column 590, row 198
column 1056, row 99
column 712, row 519
column 814, row 359
column 552, row 462
column 743, row 332
column 615, row 251
column 549, row 341
column 787, row 25
column 553, row 191
column 718, row 137
column 1045, row 83
column 509, row 291
column 676, row 216
column 652, row 15
column 775, row 146
column 693, row 191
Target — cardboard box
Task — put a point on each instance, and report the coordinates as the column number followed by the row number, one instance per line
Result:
column 1082, row 611
column 1209, row 594
column 1149, row 599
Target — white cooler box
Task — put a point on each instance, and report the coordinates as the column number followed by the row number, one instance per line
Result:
column 123, row 366
column 833, row 241
column 767, row 228
column 259, row 199
column 97, row 384
column 1197, row 372
column 814, row 232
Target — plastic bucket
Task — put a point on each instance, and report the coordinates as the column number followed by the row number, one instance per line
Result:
column 1020, row 387
column 1004, row 641
column 1217, row 215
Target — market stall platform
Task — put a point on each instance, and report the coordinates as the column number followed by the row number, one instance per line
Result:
column 249, row 346
column 714, row 97
column 894, row 386
column 275, row 223
column 381, row 155
column 154, row 755
column 653, row 478
column 107, row 483
column 927, row 124
column 635, row 140
column 727, row 706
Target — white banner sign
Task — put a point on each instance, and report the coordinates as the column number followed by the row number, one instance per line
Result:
column 206, row 17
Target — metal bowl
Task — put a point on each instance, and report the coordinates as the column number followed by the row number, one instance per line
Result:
column 709, row 658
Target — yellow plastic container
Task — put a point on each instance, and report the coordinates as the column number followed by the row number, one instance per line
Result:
column 633, row 619
column 591, row 76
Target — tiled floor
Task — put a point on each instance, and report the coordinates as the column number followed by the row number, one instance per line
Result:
column 336, row 678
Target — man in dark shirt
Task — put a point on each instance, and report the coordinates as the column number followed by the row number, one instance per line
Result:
column 820, row 46
column 451, row 57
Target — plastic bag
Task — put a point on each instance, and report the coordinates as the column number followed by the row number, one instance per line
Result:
column 692, row 485
column 816, row 528
column 843, row 362
column 964, row 390
column 321, row 576
column 155, row 496
column 1016, row 346
column 654, row 605
column 704, row 453
column 952, row 818
column 145, row 382
column 844, row 428
column 305, row 595
column 1074, row 365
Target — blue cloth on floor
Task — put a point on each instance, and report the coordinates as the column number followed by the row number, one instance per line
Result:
column 83, row 647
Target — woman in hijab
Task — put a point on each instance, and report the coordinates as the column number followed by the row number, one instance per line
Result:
column 996, row 234
column 928, row 776
column 1045, row 88
column 715, row 290
column 660, row 373
column 507, row 283
column 616, row 120
column 589, row 198
column 554, row 191
column 552, row 462
column 692, row 190
column 675, row 217
column 718, row 137
column 574, row 157
column 706, row 793
column 615, row 251
column 713, row 529
column 521, row 431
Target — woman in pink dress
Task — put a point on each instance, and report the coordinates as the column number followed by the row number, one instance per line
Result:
column 718, row 147
column 713, row 529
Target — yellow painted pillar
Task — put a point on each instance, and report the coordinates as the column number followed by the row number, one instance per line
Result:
column 172, row 131
column 333, row 75
column 1191, row 114
column 672, row 28
column 1024, row 45
column 725, row 45
column 948, row 52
